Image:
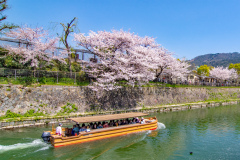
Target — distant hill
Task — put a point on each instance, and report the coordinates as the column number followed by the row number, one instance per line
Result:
column 217, row 59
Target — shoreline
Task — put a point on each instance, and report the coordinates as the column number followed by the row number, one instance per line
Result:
column 12, row 123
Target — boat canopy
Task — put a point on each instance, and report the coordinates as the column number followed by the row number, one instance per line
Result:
column 106, row 117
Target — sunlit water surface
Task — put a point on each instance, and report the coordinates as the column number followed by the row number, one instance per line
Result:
column 209, row 133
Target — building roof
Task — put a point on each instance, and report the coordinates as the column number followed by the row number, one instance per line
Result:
column 107, row 117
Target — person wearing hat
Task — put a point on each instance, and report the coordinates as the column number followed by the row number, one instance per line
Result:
column 59, row 129
column 137, row 120
column 142, row 120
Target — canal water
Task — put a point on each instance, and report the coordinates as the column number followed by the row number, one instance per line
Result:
column 209, row 133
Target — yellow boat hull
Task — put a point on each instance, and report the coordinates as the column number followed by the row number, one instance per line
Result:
column 58, row 141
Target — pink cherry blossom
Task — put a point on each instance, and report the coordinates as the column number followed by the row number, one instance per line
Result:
column 126, row 56
column 37, row 46
column 223, row 73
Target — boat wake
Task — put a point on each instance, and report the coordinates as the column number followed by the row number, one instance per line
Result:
column 161, row 126
column 37, row 142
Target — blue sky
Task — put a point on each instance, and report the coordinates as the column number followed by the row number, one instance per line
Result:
column 187, row 28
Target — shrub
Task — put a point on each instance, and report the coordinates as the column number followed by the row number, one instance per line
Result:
column 42, row 80
column 27, row 80
column 10, row 114
column 32, row 113
column 69, row 108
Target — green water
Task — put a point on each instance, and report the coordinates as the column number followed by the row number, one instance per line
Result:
column 210, row 133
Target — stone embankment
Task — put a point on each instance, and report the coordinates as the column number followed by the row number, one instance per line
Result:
column 52, row 100
column 30, row 122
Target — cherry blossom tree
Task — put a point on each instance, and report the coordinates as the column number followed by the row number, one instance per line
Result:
column 125, row 56
column 35, row 46
column 121, row 55
column 163, row 61
column 223, row 73
column 178, row 69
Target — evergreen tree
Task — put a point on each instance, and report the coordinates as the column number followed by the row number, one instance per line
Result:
column 3, row 7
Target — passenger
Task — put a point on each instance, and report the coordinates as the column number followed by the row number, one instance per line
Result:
column 98, row 123
column 142, row 120
column 95, row 126
column 124, row 122
column 115, row 124
column 134, row 121
column 83, row 125
column 111, row 123
column 91, row 125
column 130, row 122
column 137, row 120
column 119, row 122
column 105, row 125
column 78, row 126
column 99, row 126
column 83, row 129
column 59, row 129
column 75, row 130
column 88, row 129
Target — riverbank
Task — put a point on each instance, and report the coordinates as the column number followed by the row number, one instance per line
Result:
column 12, row 123
column 62, row 100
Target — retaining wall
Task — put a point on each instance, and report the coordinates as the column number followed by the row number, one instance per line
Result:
column 51, row 99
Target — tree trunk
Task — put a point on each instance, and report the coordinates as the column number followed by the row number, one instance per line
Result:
column 69, row 63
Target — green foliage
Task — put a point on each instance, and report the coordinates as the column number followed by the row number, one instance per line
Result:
column 235, row 66
column 26, row 81
column 42, row 80
column 69, row 108
column 8, row 89
column 10, row 114
column 7, row 61
column 32, row 113
column 29, row 113
column 204, row 70
column 67, row 80
column 76, row 67
column 29, row 81
column 3, row 7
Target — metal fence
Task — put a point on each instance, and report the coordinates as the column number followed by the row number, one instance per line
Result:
column 201, row 83
column 42, row 75
column 53, row 77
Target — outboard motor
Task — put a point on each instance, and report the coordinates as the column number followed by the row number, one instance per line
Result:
column 46, row 137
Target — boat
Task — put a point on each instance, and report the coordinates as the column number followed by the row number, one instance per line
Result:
column 150, row 123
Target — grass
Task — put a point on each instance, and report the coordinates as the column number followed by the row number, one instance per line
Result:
column 12, row 116
column 191, row 103
column 29, row 81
